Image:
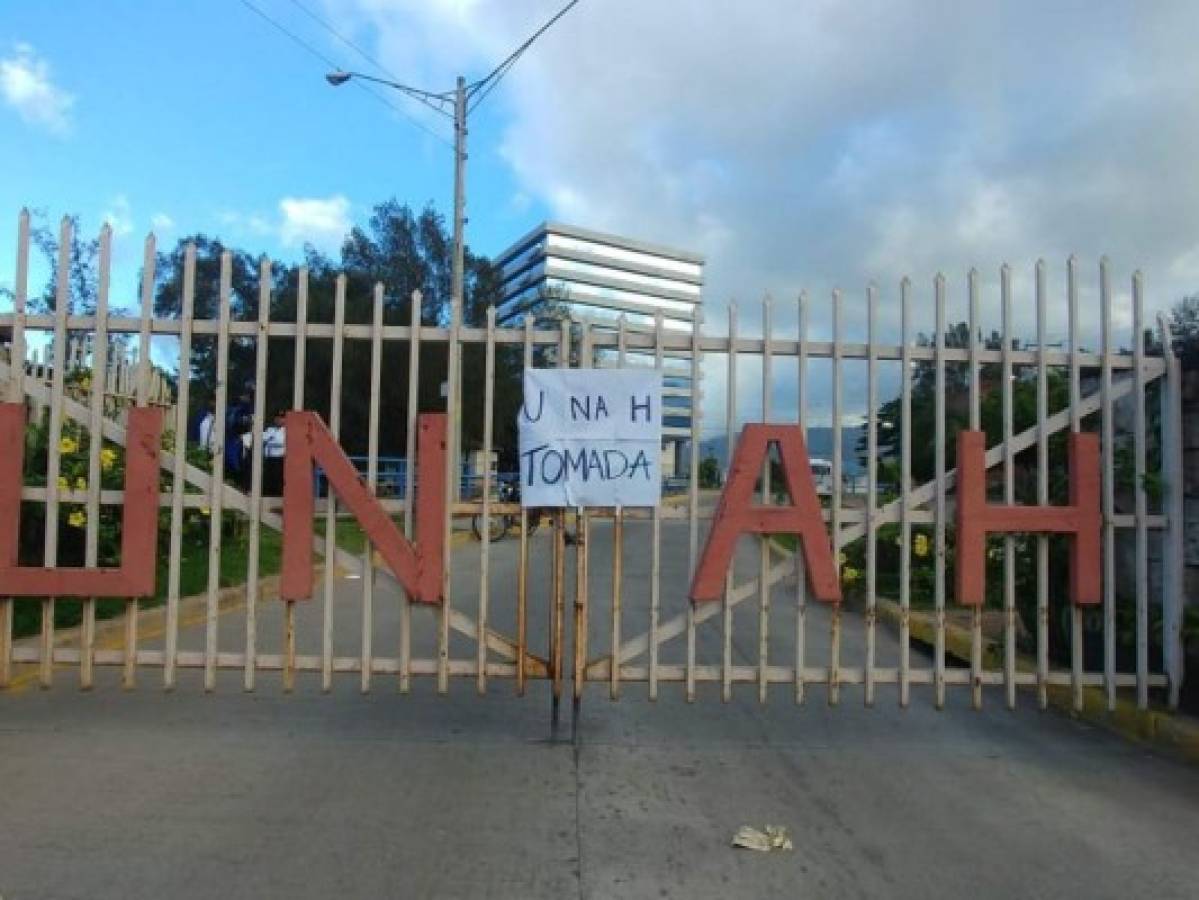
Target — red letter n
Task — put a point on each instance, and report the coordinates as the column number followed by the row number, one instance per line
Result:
column 976, row 519
column 417, row 568
column 737, row 515
column 139, row 531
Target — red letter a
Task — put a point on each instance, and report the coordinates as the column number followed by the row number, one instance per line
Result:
column 417, row 568
column 139, row 531
column 737, row 515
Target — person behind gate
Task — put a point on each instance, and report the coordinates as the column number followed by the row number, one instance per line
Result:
column 274, row 446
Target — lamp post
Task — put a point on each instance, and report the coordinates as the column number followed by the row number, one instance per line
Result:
column 451, row 104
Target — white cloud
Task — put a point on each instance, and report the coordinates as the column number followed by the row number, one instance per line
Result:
column 807, row 145
column 160, row 222
column 820, row 143
column 119, row 216
column 322, row 222
column 26, row 85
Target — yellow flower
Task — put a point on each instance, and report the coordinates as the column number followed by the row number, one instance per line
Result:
column 849, row 574
column 920, row 545
column 205, row 511
column 67, row 445
column 81, row 483
column 108, row 458
column 842, row 559
column 63, row 484
column 77, row 519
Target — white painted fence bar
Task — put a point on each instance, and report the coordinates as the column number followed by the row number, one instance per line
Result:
column 871, row 490
column 485, row 545
column 801, row 581
column 216, row 501
column 1076, row 614
column 62, row 303
column 834, row 653
column 87, row 633
column 178, row 484
column 764, row 541
column 47, row 380
column 941, row 486
column 1139, row 493
column 1009, row 491
column 905, row 488
column 416, row 330
column 261, row 349
column 730, row 430
column 975, row 375
column 1109, row 487
column 1042, row 495
column 372, row 481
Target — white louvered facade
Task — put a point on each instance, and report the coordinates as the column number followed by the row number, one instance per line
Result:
column 596, row 278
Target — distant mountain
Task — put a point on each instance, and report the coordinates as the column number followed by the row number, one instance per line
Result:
column 820, row 445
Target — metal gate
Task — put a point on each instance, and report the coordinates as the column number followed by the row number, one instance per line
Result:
column 903, row 616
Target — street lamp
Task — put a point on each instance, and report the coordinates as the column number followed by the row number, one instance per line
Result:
column 451, row 104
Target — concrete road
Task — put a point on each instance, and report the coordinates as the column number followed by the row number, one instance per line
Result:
column 141, row 794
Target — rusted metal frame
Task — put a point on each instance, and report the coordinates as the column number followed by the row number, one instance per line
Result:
column 726, row 687
column 975, row 378
column 557, row 607
column 178, row 481
column 1109, row 491
column 1173, row 554
column 416, row 332
column 941, row 485
column 261, row 349
column 905, row 499
column 453, row 464
column 655, row 575
column 764, row 539
column 1009, row 489
column 1140, row 498
column 801, row 583
column 16, row 394
column 297, row 403
column 339, row 321
column 1076, row 619
column 372, row 480
column 834, row 680
column 522, row 574
column 62, row 301
column 216, row 502
column 617, row 546
column 1042, row 494
column 485, row 547
column 582, row 550
column 95, row 441
column 871, row 490
column 696, row 407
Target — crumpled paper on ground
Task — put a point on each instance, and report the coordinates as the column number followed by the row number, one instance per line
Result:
column 772, row 837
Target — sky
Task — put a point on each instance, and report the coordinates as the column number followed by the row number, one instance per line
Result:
column 796, row 145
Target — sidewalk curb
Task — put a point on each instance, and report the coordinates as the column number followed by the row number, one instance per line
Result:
column 1175, row 734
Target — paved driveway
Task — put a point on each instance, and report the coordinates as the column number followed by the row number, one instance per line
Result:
column 141, row 794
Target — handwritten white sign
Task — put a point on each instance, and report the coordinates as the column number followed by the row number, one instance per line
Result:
column 591, row 437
